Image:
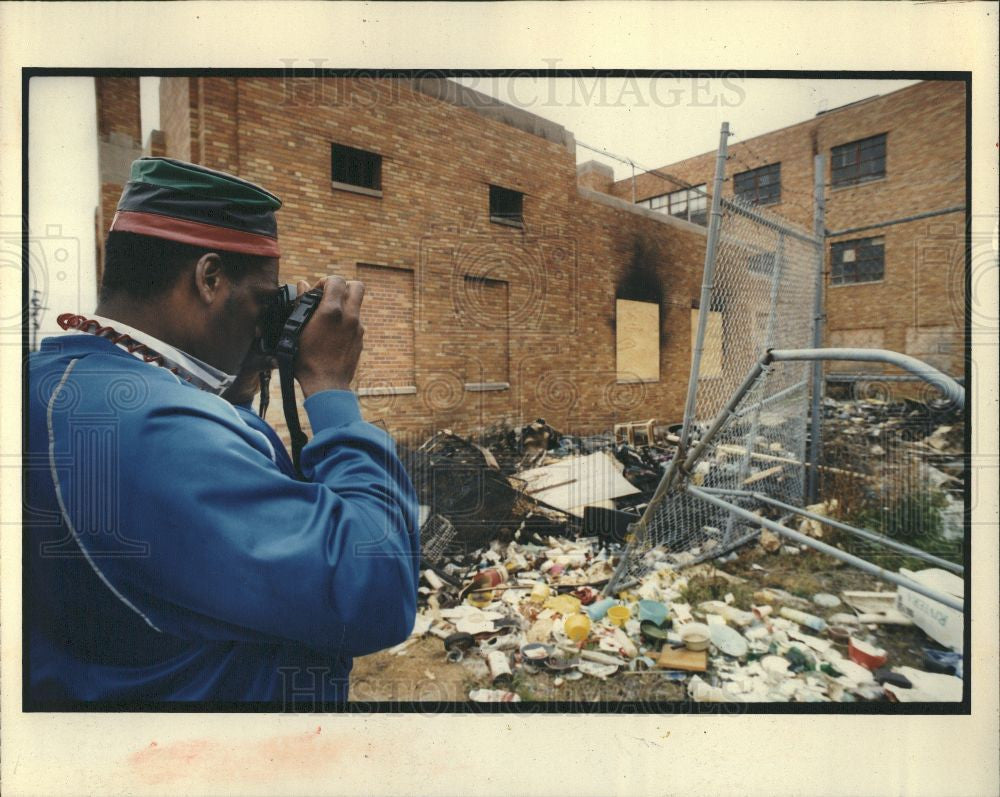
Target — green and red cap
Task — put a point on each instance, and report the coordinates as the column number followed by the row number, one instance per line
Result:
column 187, row 203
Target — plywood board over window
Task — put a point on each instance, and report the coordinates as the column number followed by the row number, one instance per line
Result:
column 638, row 340
column 711, row 355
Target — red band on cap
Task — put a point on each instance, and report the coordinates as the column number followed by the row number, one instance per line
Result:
column 195, row 233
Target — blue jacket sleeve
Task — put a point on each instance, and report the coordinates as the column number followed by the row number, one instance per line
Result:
column 239, row 550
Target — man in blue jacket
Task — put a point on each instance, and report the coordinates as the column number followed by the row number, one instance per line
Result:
column 172, row 554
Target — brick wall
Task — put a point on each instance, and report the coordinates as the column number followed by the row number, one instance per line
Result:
column 119, row 129
column 388, row 357
column 923, row 286
column 118, row 106
column 178, row 102
column 560, row 272
column 484, row 316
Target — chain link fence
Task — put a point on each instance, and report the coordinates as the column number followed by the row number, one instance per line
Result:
column 896, row 466
column 762, row 296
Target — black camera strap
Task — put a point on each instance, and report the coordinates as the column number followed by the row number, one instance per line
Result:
column 285, row 351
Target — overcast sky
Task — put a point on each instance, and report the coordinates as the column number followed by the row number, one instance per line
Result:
column 654, row 122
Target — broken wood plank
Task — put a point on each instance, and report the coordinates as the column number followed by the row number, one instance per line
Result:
column 764, row 474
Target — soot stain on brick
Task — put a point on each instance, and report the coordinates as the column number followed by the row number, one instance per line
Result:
column 643, row 280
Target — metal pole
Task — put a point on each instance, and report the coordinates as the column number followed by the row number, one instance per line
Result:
column 953, row 391
column 871, row 536
column 948, row 600
column 707, row 283
column 638, row 529
column 819, row 230
column 784, row 393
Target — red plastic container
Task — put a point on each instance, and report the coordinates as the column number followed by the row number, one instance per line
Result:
column 866, row 655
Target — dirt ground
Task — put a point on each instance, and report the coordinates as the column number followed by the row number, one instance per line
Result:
column 422, row 673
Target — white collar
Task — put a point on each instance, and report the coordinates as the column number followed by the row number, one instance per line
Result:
column 207, row 377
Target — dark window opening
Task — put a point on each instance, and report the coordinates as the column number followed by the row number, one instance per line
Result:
column 762, row 186
column 858, row 161
column 356, row 167
column 862, row 260
column 506, row 206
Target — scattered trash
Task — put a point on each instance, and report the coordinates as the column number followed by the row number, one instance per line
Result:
column 769, row 541
column 815, row 528
column 943, row 661
column 876, row 607
column 925, row 687
column 803, row 618
column 838, row 634
column 573, row 483
column 654, row 611
column 865, row 654
column 499, row 668
column 826, row 600
column 941, row 623
column 729, row 641
column 577, row 626
column 601, row 671
column 683, row 659
column 695, row 636
column 522, row 529
column 493, row 696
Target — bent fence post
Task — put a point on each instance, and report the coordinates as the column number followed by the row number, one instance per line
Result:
column 861, row 564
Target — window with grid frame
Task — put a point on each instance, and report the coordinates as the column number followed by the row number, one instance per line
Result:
column 690, row 204
column 355, row 167
column 858, row 161
column 761, row 186
column 861, row 260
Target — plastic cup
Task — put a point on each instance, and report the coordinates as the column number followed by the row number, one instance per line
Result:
column 577, row 626
column 598, row 609
column 619, row 614
column 652, row 610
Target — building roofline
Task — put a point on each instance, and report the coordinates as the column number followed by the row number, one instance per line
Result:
column 463, row 97
column 601, row 198
column 812, row 120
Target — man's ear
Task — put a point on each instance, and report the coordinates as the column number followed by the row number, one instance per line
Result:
column 208, row 277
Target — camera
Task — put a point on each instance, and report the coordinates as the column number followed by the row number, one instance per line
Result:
column 283, row 318
column 276, row 313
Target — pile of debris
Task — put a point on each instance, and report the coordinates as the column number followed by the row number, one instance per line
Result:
column 537, row 610
column 892, row 462
column 522, row 532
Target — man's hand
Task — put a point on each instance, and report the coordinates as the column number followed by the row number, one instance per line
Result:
column 331, row 341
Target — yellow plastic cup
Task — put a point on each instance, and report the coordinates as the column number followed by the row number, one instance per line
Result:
column 577, row 626
column 619, row 614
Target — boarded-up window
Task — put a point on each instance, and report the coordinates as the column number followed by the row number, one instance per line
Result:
column 486, row 318
column 711, row 355
column 638, row 340
column 387, row 312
